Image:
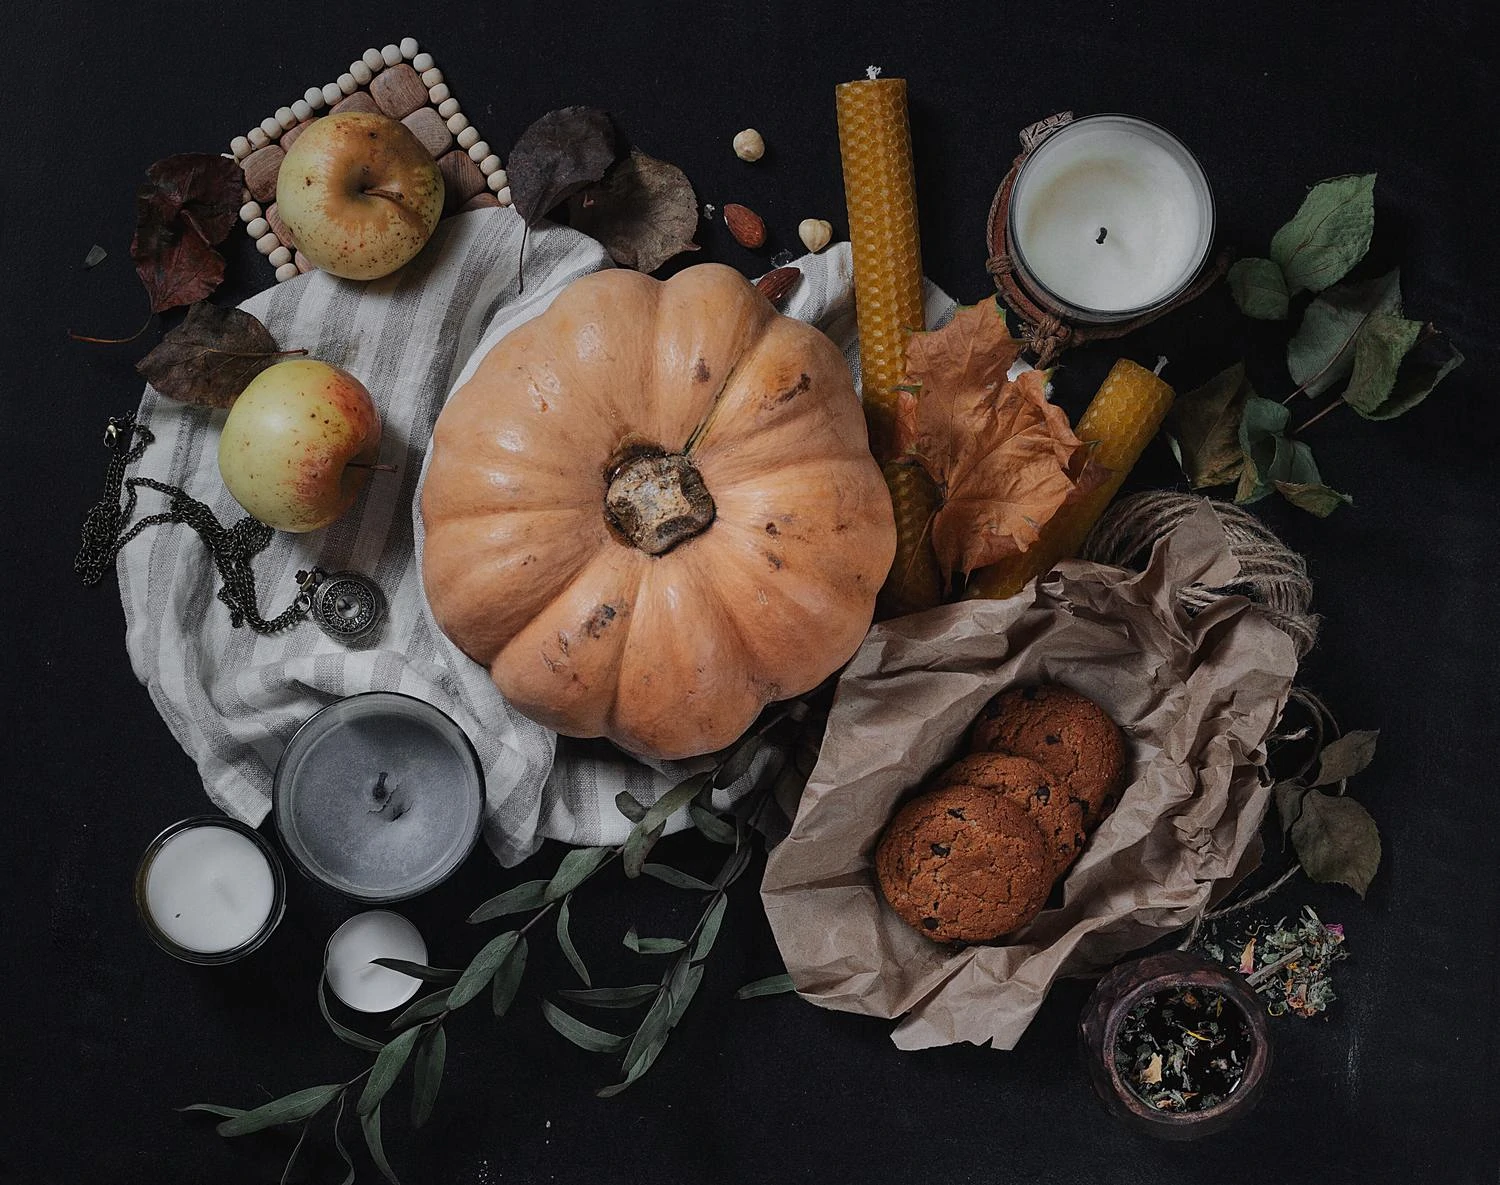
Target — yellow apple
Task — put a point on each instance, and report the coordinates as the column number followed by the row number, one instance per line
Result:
column 299, row 444
column 359, row 193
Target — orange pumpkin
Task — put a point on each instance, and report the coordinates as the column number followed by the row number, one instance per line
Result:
column 653, row 510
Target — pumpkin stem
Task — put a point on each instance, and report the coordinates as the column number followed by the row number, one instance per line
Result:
column 656, row 499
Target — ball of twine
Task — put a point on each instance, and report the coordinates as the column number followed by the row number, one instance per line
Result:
column 1272, row 575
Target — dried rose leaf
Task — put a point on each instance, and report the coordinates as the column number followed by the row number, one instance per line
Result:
column 562, row 152
column 644, row 212
column 189, row 204
column 211, row 357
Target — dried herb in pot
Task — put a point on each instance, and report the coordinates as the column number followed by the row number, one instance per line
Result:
column 1183, row 1050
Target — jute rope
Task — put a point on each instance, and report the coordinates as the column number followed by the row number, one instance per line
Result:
column 1272, row 575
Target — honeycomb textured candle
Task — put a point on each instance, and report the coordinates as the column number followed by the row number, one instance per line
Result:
column 880, row 188
column 1123, row 417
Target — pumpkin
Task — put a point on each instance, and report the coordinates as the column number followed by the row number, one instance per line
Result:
column 652, row 510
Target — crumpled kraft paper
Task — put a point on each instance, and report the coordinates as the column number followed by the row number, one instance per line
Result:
column 1196, row 698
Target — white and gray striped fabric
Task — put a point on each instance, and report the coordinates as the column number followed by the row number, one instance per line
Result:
column 233, row 698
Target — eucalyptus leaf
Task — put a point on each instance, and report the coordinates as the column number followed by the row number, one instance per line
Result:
column 672, row 876
column 1206, row 425
column 338, row 1143
column 1425, row 365
column 655, row 1027
column 342, row 1031
column 739, row 761
column 299, row 1105
column 576, row 867
column 1313, row 497
column 1321, row 352
column 230, row 1112
column 733, row 868
column 482, row 968
column 508, row 979
column 291, row 1161
column 530, row 895
column 684, row 986
column 1346, row 756
column 611, row 997
column 565, row 941
column 1383, row 341
column 422, row 1008
column 370, row 1125
column 1259, row 289
column 388, row 1066
column 445, row 975
column 643, row 835
column 627, row 804
column 641, row 1064
column 709, row 931
column 1337, row 841
column 1289, row 797
column 582, row 1035
column 711, row 826
column 427, row 1074
column 652, row 946
column 771, row 985
column 1329, row 234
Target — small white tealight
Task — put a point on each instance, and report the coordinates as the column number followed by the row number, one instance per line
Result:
column 352, row 974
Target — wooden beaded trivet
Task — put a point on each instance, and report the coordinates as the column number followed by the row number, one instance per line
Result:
column 397, row 81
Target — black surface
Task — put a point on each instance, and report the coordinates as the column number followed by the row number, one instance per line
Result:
column 103, row 1035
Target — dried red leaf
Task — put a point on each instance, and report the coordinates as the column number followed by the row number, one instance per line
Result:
column 188, row 205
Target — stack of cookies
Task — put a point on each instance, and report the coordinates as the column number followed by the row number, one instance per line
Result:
column 976, row 855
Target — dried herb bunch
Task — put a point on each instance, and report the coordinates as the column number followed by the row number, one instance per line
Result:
column 1183, row 1050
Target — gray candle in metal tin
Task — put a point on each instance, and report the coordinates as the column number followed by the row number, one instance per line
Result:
column 379, row 796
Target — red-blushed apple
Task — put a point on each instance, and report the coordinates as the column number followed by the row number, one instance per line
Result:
column 359, row 194
column 299, row 444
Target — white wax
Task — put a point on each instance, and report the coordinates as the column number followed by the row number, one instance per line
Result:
column 354, row 978
column 210, row 889
column 1128, row 179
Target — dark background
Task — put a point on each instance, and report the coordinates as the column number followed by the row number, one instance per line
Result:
column 103, row 1035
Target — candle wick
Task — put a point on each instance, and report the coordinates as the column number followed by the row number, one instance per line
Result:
column 1103, row 231
column 380, row 794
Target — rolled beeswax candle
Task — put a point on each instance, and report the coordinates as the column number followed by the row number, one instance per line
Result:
column 1130, row 406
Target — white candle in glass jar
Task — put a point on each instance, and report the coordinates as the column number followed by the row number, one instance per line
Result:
column 1111, row 216
column 349, row 960
column 209, row 890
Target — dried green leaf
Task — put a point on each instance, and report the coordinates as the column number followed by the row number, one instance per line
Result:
column 1382, row 342
column 1337, row 841
column 611, row 997
column 1329, row 234
column 627, row 805
column 1206, row 425
column 582, row 1035
column 711, row 826
column 235, row 1112
column 1425, row 365
column 1262, row 425
column 651, row 946
column 427, row 1074
column 771, row 985
column 1259, row 289
column 291, row 1108
column 576, row 867
column 530, row 895
column 482, row 968
column 643, row 835
column 1346, row 756
column 342, row 1031
column 709, row 931
column 211, row 357
column 445, row 975
column 562, row 152
column 644, row 212
column 1321, row 352
column 675, row 878
column 1313, row 497
column 423, row 1008
column 1289, row 797
column 565, row 942
column 370, row 1125
column 388, row 1065
column 508, row 979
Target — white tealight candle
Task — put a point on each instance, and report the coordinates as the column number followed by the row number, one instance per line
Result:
column 209, row 890
column 1111, row 216
column 349, row 960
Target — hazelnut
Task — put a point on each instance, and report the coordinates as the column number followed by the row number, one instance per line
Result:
column 749, row 145
column 815, row 233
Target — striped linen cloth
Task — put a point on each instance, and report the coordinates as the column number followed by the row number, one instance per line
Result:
column 233, row 698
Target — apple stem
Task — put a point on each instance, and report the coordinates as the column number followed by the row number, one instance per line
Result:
column 394, row 195
column 370, row 466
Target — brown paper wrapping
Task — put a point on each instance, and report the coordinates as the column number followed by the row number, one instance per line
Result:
column 1196, row 697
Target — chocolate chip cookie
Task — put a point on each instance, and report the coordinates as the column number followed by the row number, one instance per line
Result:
column 1057, row 815
column 964, row 864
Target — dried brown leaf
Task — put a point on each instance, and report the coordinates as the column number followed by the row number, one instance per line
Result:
column 562, row 152
column 644, row 212
column 211, row 357
column 188, row 205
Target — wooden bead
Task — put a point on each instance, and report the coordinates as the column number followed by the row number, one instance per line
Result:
column 432, row 77
column 286, row 118
column 480, row 201
column 457, row 122
column 240, row 147
column 504, row 196
column 280, row 255
column 271, row 127
column 468, row 137
column 245, row 194
column 261, row 167
column 490, row 165
column 315, row 98
column 286, row 270
column 422, row 63
column 500, row 173
column 495, row 180
column 257, row 138
column 374, row 60
column 360, row 72
column 479, row 149
column 390, row 54
column 302, row 110
column 332, row 92
column 428, row 127
column 304, row 264
column 398, row 91
column 267, row 243
column 347, row 84
column 257, row 226
column 439, row 92
column 461, row 179
column 448, row 107
column 408, row 47
column 359, row 101
column 250, row 211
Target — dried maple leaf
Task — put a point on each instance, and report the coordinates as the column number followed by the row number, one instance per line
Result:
column 1004, row 458
column 188, row 205
column 562, row 152
column 644, row 212
column 211, row 357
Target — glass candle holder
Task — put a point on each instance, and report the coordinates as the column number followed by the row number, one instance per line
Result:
column 209, row 890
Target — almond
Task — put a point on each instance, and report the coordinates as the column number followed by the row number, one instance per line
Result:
column 777, row 285
column 745, row 225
